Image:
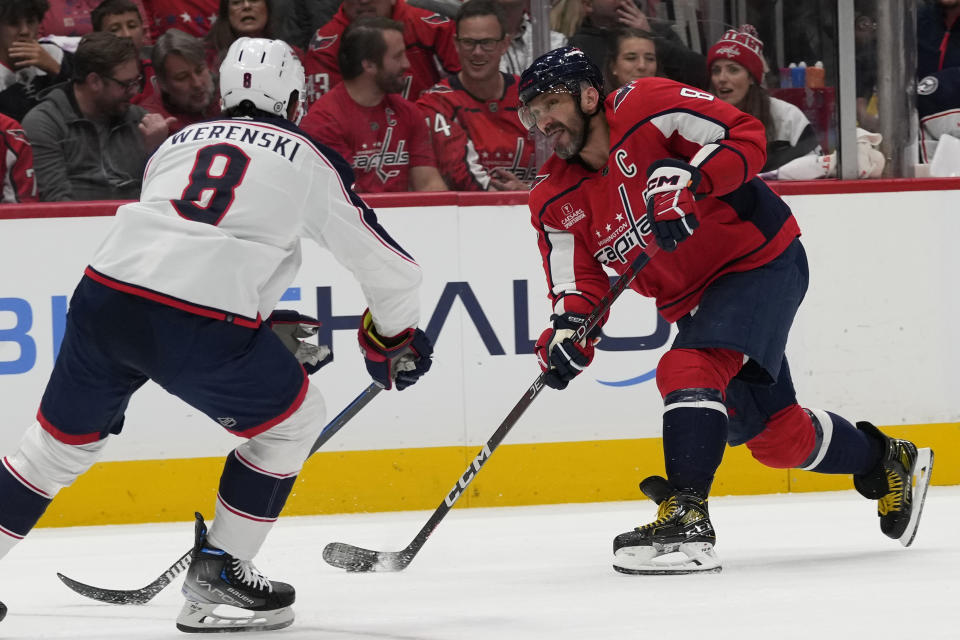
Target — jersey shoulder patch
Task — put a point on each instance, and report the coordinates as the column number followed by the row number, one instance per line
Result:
column 435, row 18
column 319, row 43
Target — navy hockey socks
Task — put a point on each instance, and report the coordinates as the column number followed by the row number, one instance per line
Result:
column 694, row 438
column 21, row 505
column 840, row 446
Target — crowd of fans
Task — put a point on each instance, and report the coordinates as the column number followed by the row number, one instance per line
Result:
column 416, row 98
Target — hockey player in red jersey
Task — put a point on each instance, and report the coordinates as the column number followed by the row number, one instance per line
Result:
column 661, row 162
column 479, row 142
column 16, row 162
column 227, row 202
column 428, row 38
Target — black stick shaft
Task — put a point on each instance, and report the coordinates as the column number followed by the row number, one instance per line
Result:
column 145, row 594
column 518, row 410
column 346, row 415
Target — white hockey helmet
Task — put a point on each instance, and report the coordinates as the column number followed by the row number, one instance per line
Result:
column 264, row 72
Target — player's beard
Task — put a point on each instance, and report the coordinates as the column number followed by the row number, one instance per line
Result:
column 389, row 82
column 577, row 135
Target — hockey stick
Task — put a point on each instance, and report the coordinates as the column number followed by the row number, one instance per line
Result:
column 146, row 594
column 352, row 558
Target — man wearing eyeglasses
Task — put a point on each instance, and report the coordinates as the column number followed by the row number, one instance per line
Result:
column 479, row 142
column 89, row 142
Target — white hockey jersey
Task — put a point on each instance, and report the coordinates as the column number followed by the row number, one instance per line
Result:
column 218, row 226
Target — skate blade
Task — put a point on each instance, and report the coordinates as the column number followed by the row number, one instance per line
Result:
column 921, row 481
column 200, row 617
column 686, row 558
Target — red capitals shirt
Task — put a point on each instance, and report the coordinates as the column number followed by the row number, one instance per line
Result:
column 427, row 36
column 586, row 219
column 16, row 156
column 471, row 137
column 381, row 143
column 72, row 17
column 193, row 16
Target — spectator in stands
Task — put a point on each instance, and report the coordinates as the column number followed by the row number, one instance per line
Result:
column 16, row 163
column 472, row 116
column 519, row 55
column 366, row 120
column 27, row 67
column 938, row 36
column 428, row 38
column 195, row 17
column 296, row 21
column 89, row 142
column 603, row 17
column 255, row 19
column 736, row 73
column 631, row 54
column 122, row 18
column 74, row 18
column 185, row 85
column 865, row 61
column 566, row 16
column 237, row 18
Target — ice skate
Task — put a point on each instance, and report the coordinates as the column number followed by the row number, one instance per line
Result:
column 680, row 540
column 899, row 484
column 216, row 578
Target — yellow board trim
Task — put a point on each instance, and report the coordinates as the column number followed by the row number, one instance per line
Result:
column 412, row 479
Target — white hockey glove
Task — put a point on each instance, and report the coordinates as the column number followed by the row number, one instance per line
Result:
column 293, row 328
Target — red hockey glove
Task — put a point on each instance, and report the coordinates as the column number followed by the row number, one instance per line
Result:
column 401, row 359
column 293, row 328
column 559, row 356
column 671, row 207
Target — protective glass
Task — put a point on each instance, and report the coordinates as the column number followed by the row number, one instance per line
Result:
column 530, row 115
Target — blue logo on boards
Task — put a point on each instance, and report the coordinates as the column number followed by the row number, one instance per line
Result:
column 20, row 332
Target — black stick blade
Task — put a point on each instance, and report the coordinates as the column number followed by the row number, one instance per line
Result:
column 113, row 596
column 357, row 559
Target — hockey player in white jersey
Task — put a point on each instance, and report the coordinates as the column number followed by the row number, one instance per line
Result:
column 182, row 291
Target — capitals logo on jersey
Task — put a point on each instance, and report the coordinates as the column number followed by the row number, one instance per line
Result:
column 319, row 43
column 379, row 158
column 617, row 242
column 436, row 19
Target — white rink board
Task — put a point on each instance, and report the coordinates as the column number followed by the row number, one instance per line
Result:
column 873, row 339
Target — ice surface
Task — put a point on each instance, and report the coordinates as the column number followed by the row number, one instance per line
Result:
column 812, row 566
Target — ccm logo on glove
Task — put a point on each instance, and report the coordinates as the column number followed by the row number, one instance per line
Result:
column 670, row 200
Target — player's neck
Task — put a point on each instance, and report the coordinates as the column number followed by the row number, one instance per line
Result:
column 364, row 91
column 596, row 150
column 484, row 90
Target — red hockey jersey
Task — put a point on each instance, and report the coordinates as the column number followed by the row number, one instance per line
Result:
column 471, row 137
column 586, row 219
column 193, row 16
column 381, row 143
column 16, row 154
column 429, row 40
column 72, row 17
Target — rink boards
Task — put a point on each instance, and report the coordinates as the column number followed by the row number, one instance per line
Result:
column 874, row 341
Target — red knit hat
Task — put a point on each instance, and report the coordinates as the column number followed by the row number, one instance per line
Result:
column 743, row 47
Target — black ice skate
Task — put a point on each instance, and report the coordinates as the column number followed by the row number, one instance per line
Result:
column 898, row 483
column 216, row 578
column 680, row 540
